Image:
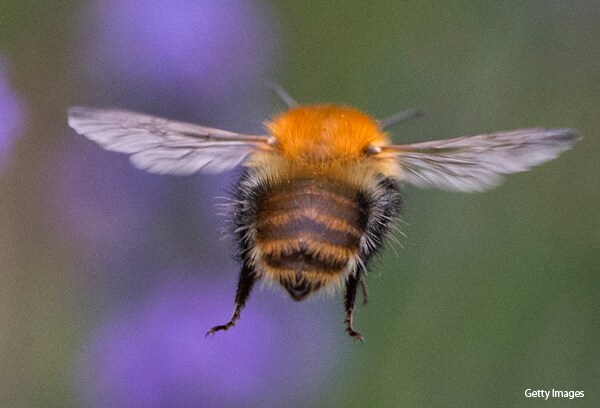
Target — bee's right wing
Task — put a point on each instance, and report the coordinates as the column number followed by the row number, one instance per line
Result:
column 165, row 146
column 476, row 163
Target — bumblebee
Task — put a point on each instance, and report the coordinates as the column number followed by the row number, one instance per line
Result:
column 320, row 190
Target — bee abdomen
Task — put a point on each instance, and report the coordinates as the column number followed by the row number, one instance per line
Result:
column 310, row 226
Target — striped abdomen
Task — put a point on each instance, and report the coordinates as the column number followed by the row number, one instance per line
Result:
column 308, row 234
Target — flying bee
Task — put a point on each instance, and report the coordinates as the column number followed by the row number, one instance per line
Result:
column 320, row 190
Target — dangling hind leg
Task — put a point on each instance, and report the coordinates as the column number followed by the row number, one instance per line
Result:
column 349, row 300
column 244, row 288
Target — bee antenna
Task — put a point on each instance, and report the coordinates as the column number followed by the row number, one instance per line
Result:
column 400, row 117
column 282, row 94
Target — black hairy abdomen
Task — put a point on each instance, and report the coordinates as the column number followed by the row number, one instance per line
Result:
column 311, row 227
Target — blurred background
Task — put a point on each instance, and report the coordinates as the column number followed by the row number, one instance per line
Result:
column 109, row 277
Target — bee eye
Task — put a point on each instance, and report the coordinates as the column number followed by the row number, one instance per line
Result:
column 370, row 150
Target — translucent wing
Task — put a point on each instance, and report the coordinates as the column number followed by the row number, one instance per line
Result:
column 477, row 163
column 164, row 146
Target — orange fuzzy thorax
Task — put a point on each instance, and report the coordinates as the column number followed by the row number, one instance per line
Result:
column 325, row 133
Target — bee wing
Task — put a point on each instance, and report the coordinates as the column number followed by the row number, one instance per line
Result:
column 477, row 163
column 164, row 146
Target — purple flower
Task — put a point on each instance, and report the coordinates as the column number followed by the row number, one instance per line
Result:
column 125, row 223
column 100, row 202
column 12, row 117
column 154, row 353
column 203, row 48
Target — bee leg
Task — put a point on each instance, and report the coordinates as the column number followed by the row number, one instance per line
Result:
column 365, row 292
column 349, row 300
column 244, row 287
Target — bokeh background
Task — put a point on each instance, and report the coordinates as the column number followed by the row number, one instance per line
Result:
column 109, row 277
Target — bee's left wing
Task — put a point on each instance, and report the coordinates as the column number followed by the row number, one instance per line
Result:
column 477, row 163
column 164, row 146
